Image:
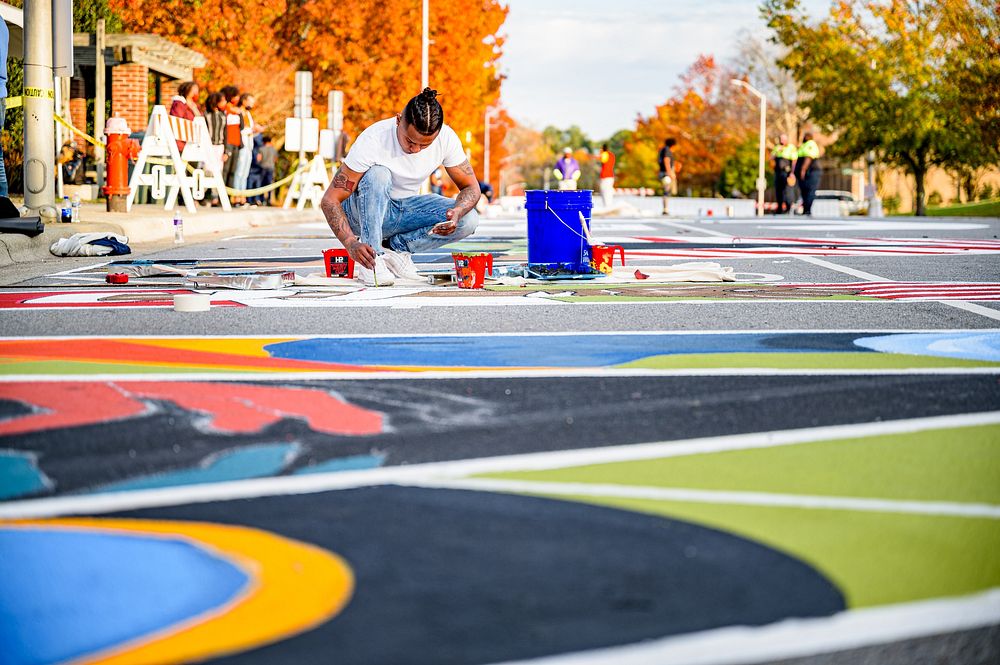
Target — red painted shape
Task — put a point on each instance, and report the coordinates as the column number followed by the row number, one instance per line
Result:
column 30, row 299
column 238, row 407
column 112, row 351
column 229, row 407
column 70, row 404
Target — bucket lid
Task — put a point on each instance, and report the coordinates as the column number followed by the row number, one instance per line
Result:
column 536, row 199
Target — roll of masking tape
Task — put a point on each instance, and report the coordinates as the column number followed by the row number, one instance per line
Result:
column 192, row 302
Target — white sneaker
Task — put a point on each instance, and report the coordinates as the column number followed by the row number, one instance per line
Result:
column 381, row 276
column 401, row 265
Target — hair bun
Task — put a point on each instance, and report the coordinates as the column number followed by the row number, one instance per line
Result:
column 429, row 94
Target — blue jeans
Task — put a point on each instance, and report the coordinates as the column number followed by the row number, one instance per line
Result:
column 374, row 215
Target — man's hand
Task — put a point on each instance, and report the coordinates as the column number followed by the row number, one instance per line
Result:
column 362, row 253
column 453, row 215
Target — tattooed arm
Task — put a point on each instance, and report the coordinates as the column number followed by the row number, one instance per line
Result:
column 467, row 198
column 332, row 206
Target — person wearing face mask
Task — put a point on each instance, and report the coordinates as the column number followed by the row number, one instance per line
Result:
column 373, row 205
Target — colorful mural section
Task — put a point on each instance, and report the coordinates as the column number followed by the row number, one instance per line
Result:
column 105, row 591
column 501, row 352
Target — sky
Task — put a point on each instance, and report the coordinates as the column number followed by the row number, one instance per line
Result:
column 599, row 63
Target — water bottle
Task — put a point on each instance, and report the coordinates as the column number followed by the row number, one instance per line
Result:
column 178, row 228
column 75, row 216
column 66, row 213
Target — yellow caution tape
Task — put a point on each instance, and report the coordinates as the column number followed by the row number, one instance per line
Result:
column 87, row 137
column 42, row 93
column 166, row 162
column 12, row 103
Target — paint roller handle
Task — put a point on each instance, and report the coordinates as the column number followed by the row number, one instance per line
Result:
column 621, row 252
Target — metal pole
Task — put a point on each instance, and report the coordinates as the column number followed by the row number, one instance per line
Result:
column 425, row 48
column 99, row 101
column 39, row 143
column 761, row 182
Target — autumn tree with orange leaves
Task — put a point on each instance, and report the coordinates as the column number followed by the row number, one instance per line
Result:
column 709, row 119
column 369, row 49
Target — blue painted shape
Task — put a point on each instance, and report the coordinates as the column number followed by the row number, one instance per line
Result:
column 255, row 461
column 545, row 350
column 68, row 593
column 19, row 476
column 965, row 345
column 355, row 463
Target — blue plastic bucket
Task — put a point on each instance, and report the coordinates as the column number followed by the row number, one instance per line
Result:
column 555, row 234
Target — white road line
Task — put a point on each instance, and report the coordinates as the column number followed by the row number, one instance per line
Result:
column 322, row 482
column 685, row 495
column 966, row 306
column 696, row 229
column 589, row 333
column 976, row 309
column 499, row 373
column 853, row 629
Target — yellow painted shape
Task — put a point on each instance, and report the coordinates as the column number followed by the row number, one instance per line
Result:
column 243, row 346
column 295, row 586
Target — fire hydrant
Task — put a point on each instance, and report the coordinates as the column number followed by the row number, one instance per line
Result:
column 120, row 150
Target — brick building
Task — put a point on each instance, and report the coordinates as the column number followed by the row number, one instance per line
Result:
column 140, row 70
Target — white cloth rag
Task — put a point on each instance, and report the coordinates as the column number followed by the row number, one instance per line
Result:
column 78, row 244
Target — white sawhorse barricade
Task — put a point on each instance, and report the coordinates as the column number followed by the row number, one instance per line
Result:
column 308, row 185
column 161, row 142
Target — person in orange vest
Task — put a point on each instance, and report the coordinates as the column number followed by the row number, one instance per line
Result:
column 607, row 175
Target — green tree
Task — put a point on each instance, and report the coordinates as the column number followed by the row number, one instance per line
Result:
column 739, row 171
column 905, row 78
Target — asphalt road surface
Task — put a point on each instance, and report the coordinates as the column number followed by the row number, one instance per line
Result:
column 799, row 464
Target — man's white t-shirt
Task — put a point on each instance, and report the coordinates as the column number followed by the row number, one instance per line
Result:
column 379, row 146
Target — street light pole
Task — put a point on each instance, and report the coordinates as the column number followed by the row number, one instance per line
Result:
column 490, row 110
column 39, row 100
column 425, row 48
column 761, row 182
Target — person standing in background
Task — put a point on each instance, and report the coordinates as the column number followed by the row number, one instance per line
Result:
column 783, row 157
column 437, row 183
column 607, row 175
column 185, row 105
column 245, row 155
column 567, row 170
column 808, row 171
column 215, row 118
column 268, row 159
column 667, row 165
column 234, row 136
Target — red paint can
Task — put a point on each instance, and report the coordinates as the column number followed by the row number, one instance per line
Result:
column 471, row 269
column 338, row 263
column 116, row 278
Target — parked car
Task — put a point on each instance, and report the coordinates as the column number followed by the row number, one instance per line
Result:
column 848, row 204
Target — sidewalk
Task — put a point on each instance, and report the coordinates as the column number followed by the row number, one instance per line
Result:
column 147, row 225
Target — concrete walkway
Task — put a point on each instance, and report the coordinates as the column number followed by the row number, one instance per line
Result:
column 146, row 225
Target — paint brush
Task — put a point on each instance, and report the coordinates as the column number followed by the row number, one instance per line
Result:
column 586, row 229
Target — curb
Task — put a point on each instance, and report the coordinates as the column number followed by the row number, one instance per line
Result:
column 146, row 225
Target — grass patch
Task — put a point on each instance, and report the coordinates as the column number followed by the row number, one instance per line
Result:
column 989, row 208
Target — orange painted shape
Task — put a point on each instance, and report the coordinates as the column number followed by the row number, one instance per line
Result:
column 296, row 587
column 123, row 351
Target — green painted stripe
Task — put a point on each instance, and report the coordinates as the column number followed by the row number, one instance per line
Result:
column 778, row 360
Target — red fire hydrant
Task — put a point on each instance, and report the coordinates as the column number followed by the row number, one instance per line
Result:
column 120, row 150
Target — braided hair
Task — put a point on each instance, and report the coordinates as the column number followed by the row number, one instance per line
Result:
column 424, row 112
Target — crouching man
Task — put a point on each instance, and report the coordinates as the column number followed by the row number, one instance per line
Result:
column 373, row 206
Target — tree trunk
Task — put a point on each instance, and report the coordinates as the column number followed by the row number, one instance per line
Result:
column 919, row 173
